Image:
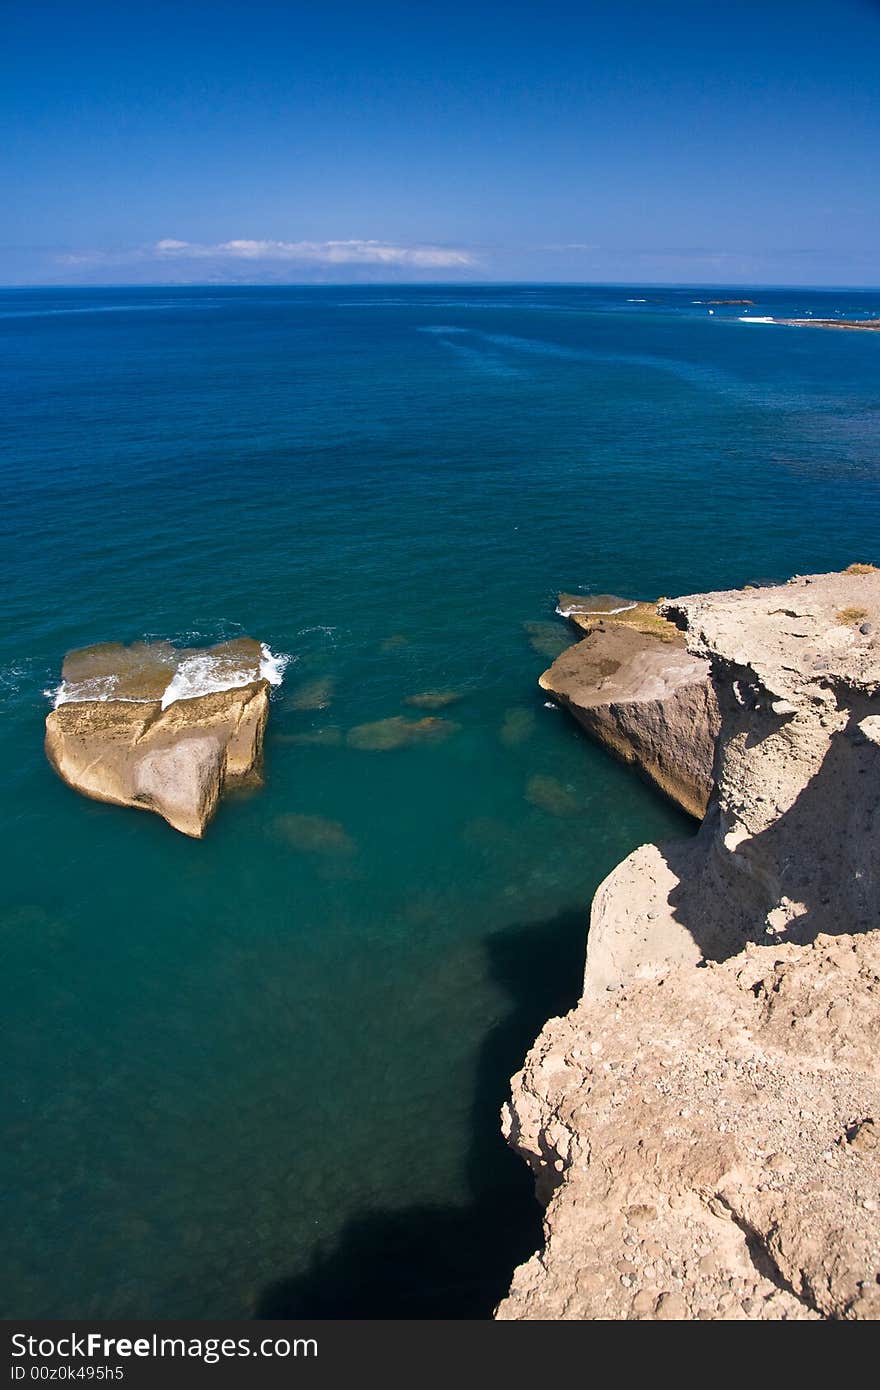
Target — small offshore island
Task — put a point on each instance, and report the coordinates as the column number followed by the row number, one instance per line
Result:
column 707, row 1140
column 161, row 728
column 858, row 325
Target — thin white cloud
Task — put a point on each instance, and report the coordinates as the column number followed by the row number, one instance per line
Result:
column 570, row 246
column 349, row 252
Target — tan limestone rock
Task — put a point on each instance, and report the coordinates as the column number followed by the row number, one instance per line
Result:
column 705, row 1139
column 695, row 1139
column 591, row 611
column 650, row 702
column 126, row 748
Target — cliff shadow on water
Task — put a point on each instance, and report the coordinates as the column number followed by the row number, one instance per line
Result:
column 456, row 1262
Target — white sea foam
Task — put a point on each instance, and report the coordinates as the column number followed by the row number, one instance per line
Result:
column 593, row 612
column 202, row 674
column 205, row 674
column 100, row 688
column 272, row 666
column 749, row 318
column 11, row 678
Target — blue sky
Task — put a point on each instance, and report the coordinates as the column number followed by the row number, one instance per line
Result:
column 652, row 142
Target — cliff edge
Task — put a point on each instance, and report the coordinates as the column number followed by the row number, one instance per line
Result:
column 706, row 1139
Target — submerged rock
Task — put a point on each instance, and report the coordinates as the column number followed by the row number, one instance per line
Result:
column 517, row 726
column 313, row 738
column 315, row 834
column 647, row 700
column 547, row 638
column 549, row 794
column 398, row 732
column 312, row 695
column 433, row 699
column 159, row 728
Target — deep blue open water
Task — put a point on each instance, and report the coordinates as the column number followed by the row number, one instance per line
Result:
column 260, row 1074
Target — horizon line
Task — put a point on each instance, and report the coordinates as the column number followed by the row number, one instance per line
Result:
column 436, row 284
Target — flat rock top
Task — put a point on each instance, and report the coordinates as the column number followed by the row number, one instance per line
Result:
column 592, row 611
column 150, row 671
column 821, row 629
column 594, row 605
column 619, row 664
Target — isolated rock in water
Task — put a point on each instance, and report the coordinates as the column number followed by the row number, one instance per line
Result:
column 160, row 728
column 647, row 700
column 698, row 1141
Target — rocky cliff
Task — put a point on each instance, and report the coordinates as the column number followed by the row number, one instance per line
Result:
column 705, row 1138
column 649, row 701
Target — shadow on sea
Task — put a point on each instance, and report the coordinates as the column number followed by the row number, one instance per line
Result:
column 456, row 1262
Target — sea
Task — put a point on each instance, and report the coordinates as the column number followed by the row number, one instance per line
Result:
column 259, row 1075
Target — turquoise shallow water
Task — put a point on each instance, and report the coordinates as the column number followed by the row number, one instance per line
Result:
column 245, row 1077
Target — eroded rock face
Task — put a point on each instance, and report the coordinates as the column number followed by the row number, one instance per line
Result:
column 133, row 746
column 706, row 1138
column 707, row 1143
column 647, row 700
column 788, row 848
column 794, row 831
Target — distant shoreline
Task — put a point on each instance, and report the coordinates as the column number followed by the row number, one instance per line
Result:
column 872, row 326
